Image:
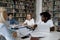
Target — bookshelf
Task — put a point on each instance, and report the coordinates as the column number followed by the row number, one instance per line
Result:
column 48, row 6
column 52, row 6
column 19, row 8
column 57, row 13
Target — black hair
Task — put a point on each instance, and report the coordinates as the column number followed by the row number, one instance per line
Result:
column 46, row 14
column 10, row 14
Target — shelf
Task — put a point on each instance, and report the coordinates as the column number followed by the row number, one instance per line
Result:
column 19, row 8
column 20, row 17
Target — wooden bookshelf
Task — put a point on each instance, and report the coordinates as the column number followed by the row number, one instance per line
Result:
column 19, row 8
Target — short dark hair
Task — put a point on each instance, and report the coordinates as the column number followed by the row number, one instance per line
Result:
column 10, row 14
column 46, row 14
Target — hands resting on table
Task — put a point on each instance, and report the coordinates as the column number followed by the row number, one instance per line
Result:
column 32, row 27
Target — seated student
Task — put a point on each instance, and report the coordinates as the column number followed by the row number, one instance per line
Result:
column 29, row 21
column 3, row 26
column 43, row 26
column 28, row 24
column 11, row 19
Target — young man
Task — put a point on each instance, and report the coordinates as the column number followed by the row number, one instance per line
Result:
column 43, row 26
column 11, row 19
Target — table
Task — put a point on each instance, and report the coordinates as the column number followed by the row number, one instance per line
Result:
column 13, row 30
column 52, row 36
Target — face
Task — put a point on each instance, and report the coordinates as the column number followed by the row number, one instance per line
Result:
column 43, row 18
column 28, row 17
column 10, row 16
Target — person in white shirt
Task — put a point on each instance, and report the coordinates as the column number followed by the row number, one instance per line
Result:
column 29, row 21
column 43, row 26
column 3, row 26
column 28, row 24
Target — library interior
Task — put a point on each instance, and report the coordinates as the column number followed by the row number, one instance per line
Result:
column 29, row 19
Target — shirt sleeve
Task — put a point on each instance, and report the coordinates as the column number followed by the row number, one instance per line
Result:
column 15, row 21
column 51, row 23
column 33, row 21
column 25, row 21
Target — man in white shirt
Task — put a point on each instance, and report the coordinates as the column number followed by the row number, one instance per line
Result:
column 43, row 26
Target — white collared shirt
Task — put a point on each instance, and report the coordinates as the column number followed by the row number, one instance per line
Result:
column 45, row 27
column 42, row 29
column 29, row 22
